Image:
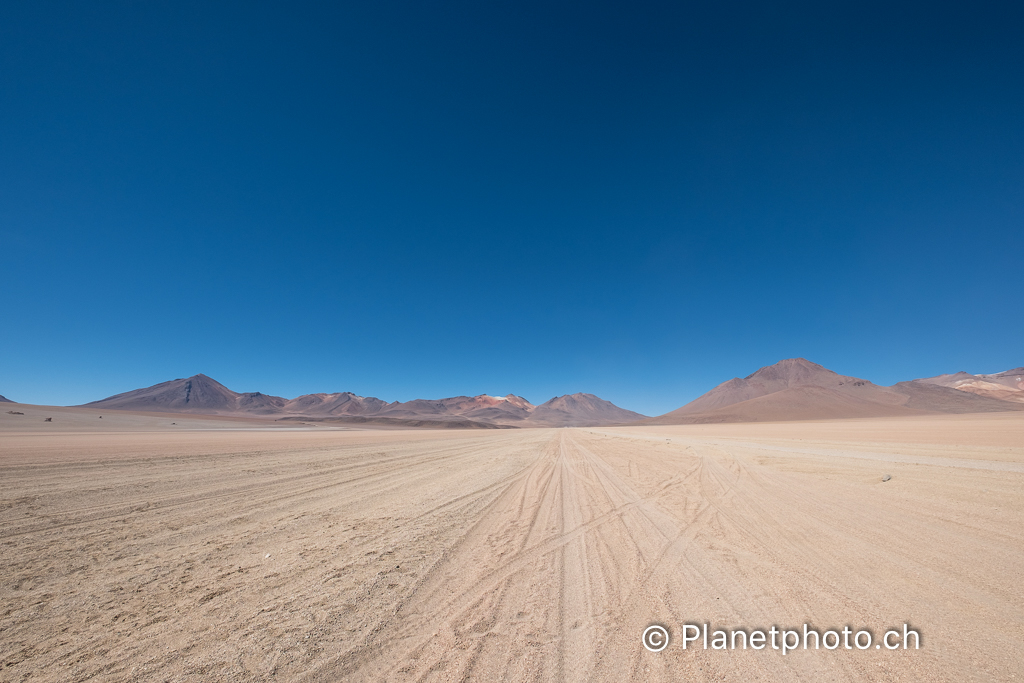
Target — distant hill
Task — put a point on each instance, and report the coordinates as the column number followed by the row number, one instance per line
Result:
column 5, row 400
column 797, row 389
column 580, row 410
column 345, row 403
column 201, row 394
column 504, row 409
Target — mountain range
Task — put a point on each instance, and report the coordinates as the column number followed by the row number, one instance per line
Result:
column 202, row 394
column 797, row 389
column 792, row 389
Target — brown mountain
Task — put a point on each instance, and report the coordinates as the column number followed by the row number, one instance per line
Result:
column 201, row 394
column 791, row 373
column 797, row 389
column 196, row 394
column 580, row 410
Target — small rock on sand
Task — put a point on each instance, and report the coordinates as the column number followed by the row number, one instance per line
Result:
column 887, row 477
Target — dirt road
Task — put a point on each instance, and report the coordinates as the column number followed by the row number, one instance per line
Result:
column 520, row 555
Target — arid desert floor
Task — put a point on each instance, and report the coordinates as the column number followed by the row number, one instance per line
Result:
column 220, row 550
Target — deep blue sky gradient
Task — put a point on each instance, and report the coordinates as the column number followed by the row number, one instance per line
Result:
column 416, row 200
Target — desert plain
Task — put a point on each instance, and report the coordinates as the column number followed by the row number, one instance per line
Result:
column 212, row 549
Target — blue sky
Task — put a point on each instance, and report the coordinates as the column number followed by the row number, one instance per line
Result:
column 416, row 200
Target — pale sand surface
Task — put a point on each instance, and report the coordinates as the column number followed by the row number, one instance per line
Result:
column 156, row 554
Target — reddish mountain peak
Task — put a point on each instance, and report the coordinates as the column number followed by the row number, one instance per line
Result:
column 790, row 369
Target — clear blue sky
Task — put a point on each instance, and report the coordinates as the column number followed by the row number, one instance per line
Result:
column 417, row 200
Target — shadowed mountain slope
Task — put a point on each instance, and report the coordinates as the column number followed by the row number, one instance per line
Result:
column 5, row 400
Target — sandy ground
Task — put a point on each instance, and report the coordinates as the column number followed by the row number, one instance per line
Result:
column 219, row 551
